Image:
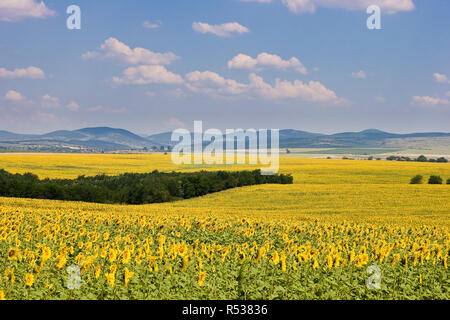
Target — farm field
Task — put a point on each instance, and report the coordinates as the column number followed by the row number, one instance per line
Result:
column 311, row 240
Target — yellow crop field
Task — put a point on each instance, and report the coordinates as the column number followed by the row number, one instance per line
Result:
column 344, row 230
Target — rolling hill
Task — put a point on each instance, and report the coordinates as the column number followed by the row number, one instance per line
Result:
column 109, row 139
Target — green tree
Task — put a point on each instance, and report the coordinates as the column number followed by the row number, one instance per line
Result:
column 416, row 179
column 435, row 180
column 422, row 158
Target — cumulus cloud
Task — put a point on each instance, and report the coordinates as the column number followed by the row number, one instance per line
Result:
column 359, row 75
column 114, row 49
column 73, row 106
column 16, row 10
column 313, row 91
column 221, row 30
column 209, row 82
column 30, row 73
column 152, row 25
column 430, row 101
column 441, row 78
column 148, row 74
column 14, row 96
column 48, row 101
column 213, row 84
column 310, row 6
column 266, row 60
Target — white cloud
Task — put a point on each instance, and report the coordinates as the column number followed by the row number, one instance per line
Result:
column 310, row 6
column 15, row 96
column 16, row 10
column 430, row 101
column 48, row 101
column 313, row 91
column 73, row 106
column 441, row 78
column 359, row 75
column 113, row 48
column 213, row 84
column 30, row 73
column 380, row 99
column 91, row 55
column 148, row 74
column 209, row 82
column 96, row 108
column 221, row 30
column 152, row 25
column 242, row 61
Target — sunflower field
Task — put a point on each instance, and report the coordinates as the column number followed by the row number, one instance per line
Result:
column 344, row 230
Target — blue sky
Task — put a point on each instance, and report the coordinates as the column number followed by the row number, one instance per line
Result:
column 153, row 66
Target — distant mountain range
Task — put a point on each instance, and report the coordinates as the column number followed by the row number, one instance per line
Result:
column 110, row 139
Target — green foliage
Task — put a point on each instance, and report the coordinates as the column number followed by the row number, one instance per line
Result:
column 435, row 180
column 400, row 158
column 416, row 179
column 132, row 188
column 422, row 158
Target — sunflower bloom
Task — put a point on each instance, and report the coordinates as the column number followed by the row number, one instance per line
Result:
column 315, row 264
column 12, row 277
column 126, row 256
column 201, row 278
column 112, row 255
column 275, row 258
column 128, row 276
column 330, row 262
column 2, row 295
column 283, row 261
column 46, row 253
column 61, row 261
column 110, row 278
column 13, row 254
column 185, row 263
column 29, row 280
column 98, row 271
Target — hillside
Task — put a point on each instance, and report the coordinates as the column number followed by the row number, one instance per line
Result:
column 111, row 139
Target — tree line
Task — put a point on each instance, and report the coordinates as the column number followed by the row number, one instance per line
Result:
column 421, row 158
column 132, row 188
column 432, row 180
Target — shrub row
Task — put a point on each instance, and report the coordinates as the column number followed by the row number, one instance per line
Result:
column 421, row 158
column 432, row 180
